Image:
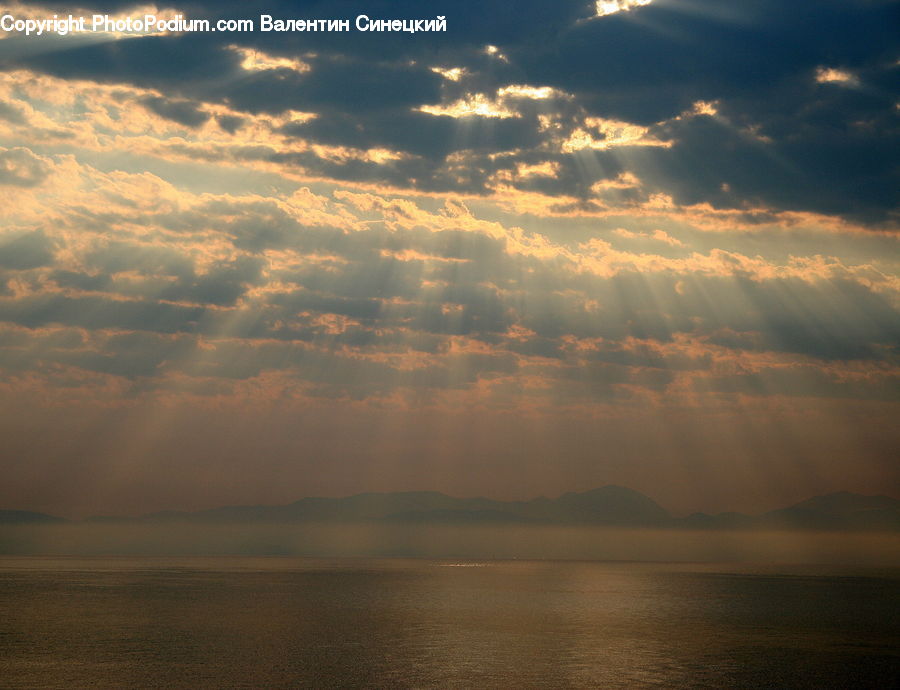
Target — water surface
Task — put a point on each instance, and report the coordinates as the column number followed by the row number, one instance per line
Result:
column 295, row 622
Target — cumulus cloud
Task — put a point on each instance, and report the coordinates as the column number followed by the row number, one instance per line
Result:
column 780, row 136
column 21, row 167
column 364, row 295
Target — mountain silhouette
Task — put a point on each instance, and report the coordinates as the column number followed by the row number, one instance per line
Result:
column 841, row 510
column 27, row 517
column 608, row 505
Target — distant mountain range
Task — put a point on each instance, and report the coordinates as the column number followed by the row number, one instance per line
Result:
column 26, row 517
column 609, row 505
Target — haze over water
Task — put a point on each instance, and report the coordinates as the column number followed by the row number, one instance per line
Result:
column 285, row 622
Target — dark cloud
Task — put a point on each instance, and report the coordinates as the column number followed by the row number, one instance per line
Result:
column 223, row 284
column 230, row 123
column 781, row 140
column 80, row 281
column 841, row 168
column 119, row 256
column 653, row 63
column 836, row 319
column 28, row 250
column 183, row 112
column 99, row 312
column 177, row 65
column 336, row 85
column 803, row 381
column 305, row 300
column 430, row 136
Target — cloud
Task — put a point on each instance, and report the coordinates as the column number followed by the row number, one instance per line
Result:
column 393, row 286
column 656, row 246
column 20, row 167
column 781, row 136
column 29, row 250
column 11, row 113
column 365, row 296
column 181, row 111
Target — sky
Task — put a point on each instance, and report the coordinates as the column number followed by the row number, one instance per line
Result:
column 562, row 244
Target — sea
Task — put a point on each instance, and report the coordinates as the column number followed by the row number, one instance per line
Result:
column 284, row 622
